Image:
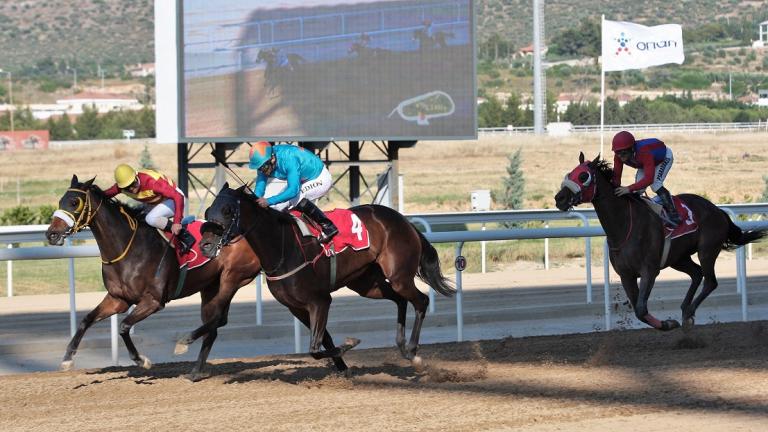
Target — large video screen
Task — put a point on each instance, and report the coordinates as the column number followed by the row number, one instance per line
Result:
column 327, row 69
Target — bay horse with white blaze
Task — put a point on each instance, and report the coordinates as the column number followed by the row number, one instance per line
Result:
column 139, row 269
column 636, row 237
column 302, row 278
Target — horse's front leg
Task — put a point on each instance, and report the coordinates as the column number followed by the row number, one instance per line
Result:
column 647, row 279
column 318, row 319
column 108, row 307
column 146, row 307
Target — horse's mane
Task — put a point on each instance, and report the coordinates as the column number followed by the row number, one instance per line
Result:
column 604, row 168
column 133, row 211
column 281, row 217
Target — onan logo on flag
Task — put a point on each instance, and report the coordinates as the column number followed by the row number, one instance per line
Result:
column 623, row 41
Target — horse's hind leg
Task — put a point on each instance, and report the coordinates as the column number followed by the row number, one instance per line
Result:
column 641, row 308
column 146, row 307
column 214, row 313
column 687, row 266
column 407, row 289
column 707, row 260
column 108, row 307
column 303, row 316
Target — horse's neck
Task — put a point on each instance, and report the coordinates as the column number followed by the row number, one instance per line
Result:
column 110, row 228
column 272, row 239
column 612, row 211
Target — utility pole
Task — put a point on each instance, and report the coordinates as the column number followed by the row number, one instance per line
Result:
column 539, row 110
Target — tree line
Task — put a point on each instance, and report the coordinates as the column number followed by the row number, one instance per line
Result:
column 89, row 125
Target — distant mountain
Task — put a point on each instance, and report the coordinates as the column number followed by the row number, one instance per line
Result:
column 121, row 31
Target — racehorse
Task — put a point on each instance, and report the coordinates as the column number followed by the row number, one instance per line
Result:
column 277, row 65
column 386, row 269
column 438, row 39
column 364, row 52
column 636, row 237
column 139, row 269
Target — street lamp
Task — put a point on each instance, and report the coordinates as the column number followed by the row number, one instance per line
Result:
column 10, row 94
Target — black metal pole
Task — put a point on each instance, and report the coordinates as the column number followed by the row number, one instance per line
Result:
column 354, row 173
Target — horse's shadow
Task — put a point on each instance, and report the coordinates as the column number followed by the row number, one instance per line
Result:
column 289, row 371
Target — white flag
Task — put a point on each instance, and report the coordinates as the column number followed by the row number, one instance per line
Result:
column 628, row 45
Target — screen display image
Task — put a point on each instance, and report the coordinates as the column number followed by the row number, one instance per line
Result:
column 327, row 69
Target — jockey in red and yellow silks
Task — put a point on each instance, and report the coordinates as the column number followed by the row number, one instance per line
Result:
column 156, row 190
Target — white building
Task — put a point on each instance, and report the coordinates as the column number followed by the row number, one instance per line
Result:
column 103, row 102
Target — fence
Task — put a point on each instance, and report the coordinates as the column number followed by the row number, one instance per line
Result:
column 33, row 233
column 655, row 127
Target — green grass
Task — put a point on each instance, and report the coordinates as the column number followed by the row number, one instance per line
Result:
column 52, row 276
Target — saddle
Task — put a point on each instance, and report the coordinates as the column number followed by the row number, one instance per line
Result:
column 688, row 224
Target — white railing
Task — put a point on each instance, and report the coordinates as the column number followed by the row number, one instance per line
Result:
column 652, row 127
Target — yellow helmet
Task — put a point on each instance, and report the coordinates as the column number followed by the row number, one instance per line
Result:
column 124, row 175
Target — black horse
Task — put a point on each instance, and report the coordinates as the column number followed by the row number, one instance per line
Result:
column 301, row 277
column 636, row 234
column 139, row 269
column 278, row 66
column 364, row 52
column 439, row 39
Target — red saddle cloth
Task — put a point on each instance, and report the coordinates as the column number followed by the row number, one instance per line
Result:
column 688, row 224
column 194, row 258
column 352, row 231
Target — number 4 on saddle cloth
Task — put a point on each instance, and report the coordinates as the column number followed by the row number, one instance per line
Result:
column 194, row 258
column 352, row 231
column 688, row 224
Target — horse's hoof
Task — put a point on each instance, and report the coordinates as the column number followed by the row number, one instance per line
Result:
column 181, row 348
column 418, row 363
column 66, row 365
column 669, row 324
column 351, row 342
column 143, row 362
column 688, row 324
column 197, row 376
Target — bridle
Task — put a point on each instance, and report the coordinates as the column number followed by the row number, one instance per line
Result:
column 84, row 214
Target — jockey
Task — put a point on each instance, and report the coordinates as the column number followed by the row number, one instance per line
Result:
column 308, row 179
column 159, row 192
column 427, row 24
column 653, row 160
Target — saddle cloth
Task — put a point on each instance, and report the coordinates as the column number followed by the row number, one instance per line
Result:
column 352, row 231
column 688, row 224
column 194, row 258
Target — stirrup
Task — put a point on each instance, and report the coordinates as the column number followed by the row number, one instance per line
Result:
column 326, row 237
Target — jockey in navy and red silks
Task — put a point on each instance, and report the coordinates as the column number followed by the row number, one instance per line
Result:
column 653, row 160
column 158, row 191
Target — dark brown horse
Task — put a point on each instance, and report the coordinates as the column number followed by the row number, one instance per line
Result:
column 301, row 278
column 636, row 238
column 439, row 39
column 139, row 269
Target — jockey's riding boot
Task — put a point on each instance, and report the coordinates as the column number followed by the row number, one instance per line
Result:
column 669, row 206
column 309, row 208
column 185, row 240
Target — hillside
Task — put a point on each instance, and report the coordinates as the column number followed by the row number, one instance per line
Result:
column 84, row 31
column 121, row 31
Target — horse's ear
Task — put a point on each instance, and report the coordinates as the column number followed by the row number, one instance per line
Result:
column 581, row 157
column 597, row 159
column 74, row 181
column 89, row 182
column 226, row 186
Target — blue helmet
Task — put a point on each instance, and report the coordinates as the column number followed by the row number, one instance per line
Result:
column 261, row 152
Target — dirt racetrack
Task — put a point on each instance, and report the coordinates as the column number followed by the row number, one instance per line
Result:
column 713, row 379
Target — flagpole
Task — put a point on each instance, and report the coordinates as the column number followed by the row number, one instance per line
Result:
column 602, row 87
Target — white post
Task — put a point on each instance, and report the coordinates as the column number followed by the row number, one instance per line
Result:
column 10, row 274
column 113, row 338
column 459, row 301
column 258, row 299
column 72, row 305
column 602, row 91
column 482, row 252
column 743, row 267
column 607, row 286
column 296, row 335
column 546, row 250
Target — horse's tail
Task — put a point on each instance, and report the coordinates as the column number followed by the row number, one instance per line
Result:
column 737, row 237
column 429, row 268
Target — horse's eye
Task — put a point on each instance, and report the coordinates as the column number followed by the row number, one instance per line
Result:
column 74, row 202
column 583, row 177
column 226, row 212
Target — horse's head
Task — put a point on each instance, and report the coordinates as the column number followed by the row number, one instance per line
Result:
column 74, row 213
column 222, row 221
column 578, row 186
